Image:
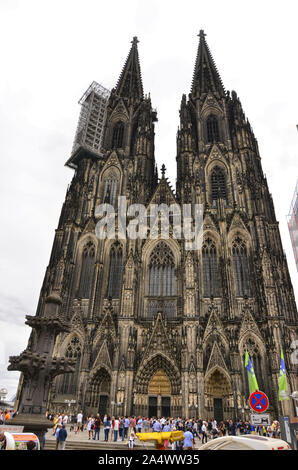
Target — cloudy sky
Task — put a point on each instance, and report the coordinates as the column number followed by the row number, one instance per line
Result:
column 52, row 50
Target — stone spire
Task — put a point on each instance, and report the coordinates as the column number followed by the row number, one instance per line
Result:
column 206, row 77
column 130, row 81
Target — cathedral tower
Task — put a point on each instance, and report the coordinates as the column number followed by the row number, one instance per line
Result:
column 157, row 329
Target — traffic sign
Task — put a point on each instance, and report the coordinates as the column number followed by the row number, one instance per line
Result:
column 258, row 401
column 260, row 420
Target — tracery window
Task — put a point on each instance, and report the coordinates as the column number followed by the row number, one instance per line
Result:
column 118, row 134
column 87, row 270
column 210, row 269
column 212, row 129
column 218, row 184
column 69, row 382
column 161, row 272
column 110, row 189
column 115, row 273
column 241, row 270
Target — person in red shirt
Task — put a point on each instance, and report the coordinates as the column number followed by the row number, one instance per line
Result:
column 132, row 424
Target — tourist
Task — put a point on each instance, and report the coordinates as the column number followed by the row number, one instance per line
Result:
column 65, row 419
column 126, row 426
column 90, row 427
column 132, row 424
column 121, row 428
column 116, row 429
column 79, row 422
column 140, row 424
column 189, row 441
column 106, row 427
column 58, row 428
column 131, row 440
column 96, row 428
column 157, row 426
column 204, row 432
column 62, row 435
column 146, row 425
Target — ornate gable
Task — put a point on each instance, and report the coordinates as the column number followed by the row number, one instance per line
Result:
column 211, row 102
column 159, row 340
column 215, row 153
column 103, row 357
column 237, row 222
column 113, row 160
column 214, row 325
column 209, row 223
column 216, row 359
column 249, row 325
column 163, row 194
column 120, row 111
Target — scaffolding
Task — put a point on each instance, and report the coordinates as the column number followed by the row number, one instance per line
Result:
column 293, row 224
column 89, row 133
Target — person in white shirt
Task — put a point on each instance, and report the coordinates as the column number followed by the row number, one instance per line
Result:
column 204, row 432
column 79, row 421
column 90, row 427
column 116, row 429
column 65, row 420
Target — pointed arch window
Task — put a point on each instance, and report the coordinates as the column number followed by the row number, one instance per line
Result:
column 87, row 271
column 218, row 184
column 162, row 272
column 210, row 269
column 212, row 129
column 110, row 189
column 241, row 270
column 69, row 382
column 118, row 134
column 115, row 273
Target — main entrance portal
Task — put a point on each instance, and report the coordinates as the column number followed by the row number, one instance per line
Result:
column 157, row 388
column 159, row 400
column 219, row 397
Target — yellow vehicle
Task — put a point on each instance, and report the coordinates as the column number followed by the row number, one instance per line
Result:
column 160, row 437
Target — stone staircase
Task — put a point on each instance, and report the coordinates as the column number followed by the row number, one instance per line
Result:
column 96, row 445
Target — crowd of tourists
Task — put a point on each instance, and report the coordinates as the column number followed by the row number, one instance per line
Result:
column 120, row 428
column 6, row 414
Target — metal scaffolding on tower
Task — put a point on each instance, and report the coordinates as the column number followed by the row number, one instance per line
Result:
column 90, row 126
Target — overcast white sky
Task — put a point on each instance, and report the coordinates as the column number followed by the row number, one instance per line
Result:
column 50, row 53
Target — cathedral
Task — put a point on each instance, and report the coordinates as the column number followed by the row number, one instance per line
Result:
column 155, row 329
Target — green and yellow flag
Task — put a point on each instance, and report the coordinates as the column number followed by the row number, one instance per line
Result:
column 252, row 380
column 282, row 380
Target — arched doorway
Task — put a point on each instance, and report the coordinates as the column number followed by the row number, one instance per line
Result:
column 218, row 395
column 157, row 390
column 159, row 395
column 100, row 392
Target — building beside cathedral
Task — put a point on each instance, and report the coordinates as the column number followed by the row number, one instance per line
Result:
column 157, row 329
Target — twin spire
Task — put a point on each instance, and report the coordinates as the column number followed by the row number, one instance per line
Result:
column 130, row 81
column 205, row 78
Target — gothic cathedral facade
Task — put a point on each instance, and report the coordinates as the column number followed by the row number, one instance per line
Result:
column 156, row 329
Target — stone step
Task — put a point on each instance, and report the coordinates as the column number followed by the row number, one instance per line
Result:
column 95, row 445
